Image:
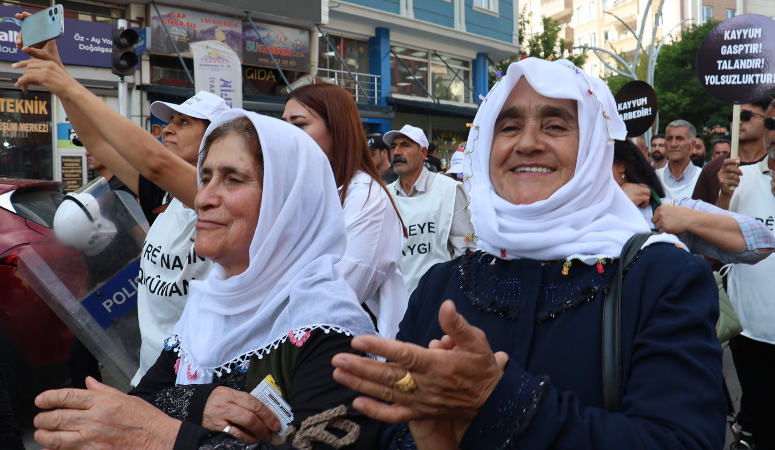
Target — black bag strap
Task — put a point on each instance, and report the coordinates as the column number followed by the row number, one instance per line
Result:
column 612, row 326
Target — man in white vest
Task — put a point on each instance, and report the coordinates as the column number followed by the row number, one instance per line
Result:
column 679, row 176
column 432, row 207
column 752, row 290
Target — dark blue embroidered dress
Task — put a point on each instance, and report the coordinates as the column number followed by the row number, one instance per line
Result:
column 550, row 324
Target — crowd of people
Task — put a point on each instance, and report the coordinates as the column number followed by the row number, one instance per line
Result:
column 383, row 304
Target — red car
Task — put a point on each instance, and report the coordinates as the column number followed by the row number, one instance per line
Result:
column 34, row 342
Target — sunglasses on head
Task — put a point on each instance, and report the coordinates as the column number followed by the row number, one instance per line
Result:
column 745, row 115
column 769, row 123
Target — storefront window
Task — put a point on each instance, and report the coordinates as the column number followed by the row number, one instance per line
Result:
column 447, row 81
column 355, row 54
column 25, row 135
column 402, row 80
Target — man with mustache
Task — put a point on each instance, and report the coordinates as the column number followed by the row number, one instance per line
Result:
column 432, row 207
column 750, row 288
column 658, row 151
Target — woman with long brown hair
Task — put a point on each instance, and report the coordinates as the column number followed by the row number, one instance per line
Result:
column 372, row 262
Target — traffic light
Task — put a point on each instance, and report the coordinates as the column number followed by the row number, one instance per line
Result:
column 124, row 58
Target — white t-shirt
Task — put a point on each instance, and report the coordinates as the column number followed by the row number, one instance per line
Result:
column 372, row 262
column 751, row 289
column 167, row 264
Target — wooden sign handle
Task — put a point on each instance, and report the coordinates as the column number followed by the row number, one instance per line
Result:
column 735, row 134
column 735, row 130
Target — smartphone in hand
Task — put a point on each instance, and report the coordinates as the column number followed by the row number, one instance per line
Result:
column 43, row 26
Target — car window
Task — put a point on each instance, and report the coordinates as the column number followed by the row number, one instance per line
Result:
column 37, row 205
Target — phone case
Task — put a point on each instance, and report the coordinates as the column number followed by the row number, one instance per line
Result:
column 43, row 26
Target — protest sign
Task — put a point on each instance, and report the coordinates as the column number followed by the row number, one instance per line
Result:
column 736, row 63
column 637, row 105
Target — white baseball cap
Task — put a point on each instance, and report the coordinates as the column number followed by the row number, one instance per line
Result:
column 203, row 105
column 413, row 133
column 456, row 161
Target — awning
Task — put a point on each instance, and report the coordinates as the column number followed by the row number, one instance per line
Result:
column 260, row 103
column 432, row 109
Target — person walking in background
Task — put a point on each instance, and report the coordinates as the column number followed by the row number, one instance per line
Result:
column 721, row 149
column 750, row 150
column 432, row 159
column 679, row 176
column 382, row 156
column 658, row 159
column 698, row 151
column 433, row 207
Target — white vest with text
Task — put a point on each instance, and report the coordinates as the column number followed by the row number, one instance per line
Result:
column 428, row 220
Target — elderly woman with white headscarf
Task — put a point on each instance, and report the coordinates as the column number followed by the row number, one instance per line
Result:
column 267, row 320
column 520, row 364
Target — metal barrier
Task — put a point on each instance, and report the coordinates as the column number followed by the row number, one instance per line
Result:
column 369, row 83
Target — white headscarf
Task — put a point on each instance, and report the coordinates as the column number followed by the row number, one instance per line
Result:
column 291, row 286
column 588, row 218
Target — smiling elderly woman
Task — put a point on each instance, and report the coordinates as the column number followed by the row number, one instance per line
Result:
column 273, row 312
column 550, row 225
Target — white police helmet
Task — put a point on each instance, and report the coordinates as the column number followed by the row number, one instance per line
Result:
column 79, row 224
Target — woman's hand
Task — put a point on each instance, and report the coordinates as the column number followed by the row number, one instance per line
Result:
column 674, row 219
column 640, row 194
column 454, row 377
column 46, row 70
column 250, row 419
column 49, row 50
column 101, row 417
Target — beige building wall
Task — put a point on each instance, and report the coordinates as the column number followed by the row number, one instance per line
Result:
column 763, row 7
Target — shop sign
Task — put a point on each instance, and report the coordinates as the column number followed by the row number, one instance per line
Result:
column 186, row 26
column 289, row 46
column 217, row 70
column 25, row 134
column 72, row 172
column 257, row 74
column 157, row 127
column 83, row 44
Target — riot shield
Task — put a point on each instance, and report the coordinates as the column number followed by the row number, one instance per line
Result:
column 86, row 270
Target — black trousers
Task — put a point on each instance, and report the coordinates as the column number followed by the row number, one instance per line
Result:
column 755, row 365
column 81, row 364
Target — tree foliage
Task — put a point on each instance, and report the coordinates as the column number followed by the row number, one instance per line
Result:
column 680, row 94
column 540, row 45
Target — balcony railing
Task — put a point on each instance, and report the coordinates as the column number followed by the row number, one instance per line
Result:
column 369, row 83
column 611, row 4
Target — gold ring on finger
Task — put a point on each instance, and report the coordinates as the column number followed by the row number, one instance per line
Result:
column 406, row 384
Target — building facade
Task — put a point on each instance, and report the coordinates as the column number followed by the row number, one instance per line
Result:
column 612, row 24
column 422, row 62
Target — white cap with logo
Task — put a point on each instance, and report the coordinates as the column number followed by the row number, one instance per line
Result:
column 413, row 133
column 203, row 105
column 456, row 161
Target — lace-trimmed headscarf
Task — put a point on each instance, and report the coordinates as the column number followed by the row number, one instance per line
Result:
column 588, row 218
column 291, row 286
